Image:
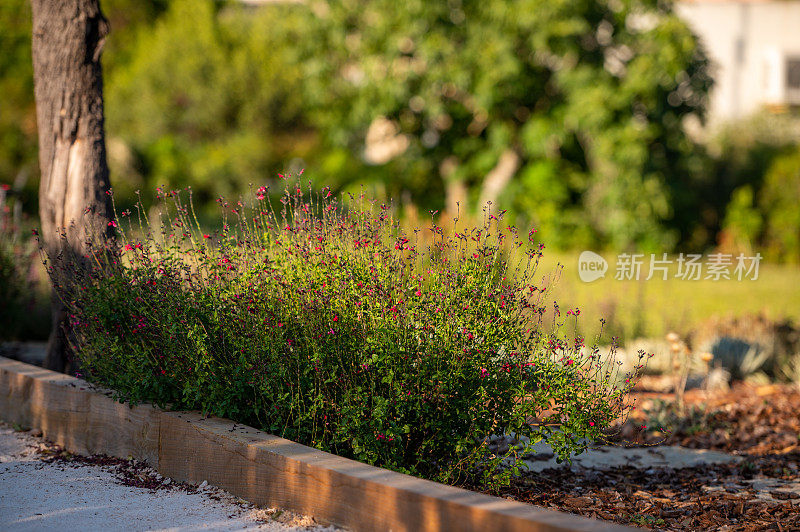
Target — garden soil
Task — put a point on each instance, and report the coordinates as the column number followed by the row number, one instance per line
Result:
column 758, row 489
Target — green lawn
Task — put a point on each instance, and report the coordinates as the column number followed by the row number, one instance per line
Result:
column 653, row 308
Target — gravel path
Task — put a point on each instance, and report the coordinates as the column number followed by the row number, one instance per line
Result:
column 43, row 488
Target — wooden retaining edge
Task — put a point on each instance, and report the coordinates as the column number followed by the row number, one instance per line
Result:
column 264, row 469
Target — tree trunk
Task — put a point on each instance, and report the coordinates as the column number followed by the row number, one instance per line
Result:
column 498, row 178
column 68, row 37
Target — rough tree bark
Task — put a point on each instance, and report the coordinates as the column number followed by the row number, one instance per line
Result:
column 68, row 37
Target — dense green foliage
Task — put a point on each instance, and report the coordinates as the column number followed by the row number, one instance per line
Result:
column 209, row 98
column 591, row 96
column 18, row 156
column 329, row 325
column 761, row 175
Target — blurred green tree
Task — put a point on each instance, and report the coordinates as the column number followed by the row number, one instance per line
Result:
column 780, row 197
column 750, row 175
column 209, row 98
column 18, row 117
column 742, row 224
column 571, row 112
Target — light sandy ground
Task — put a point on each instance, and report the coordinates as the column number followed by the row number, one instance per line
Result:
column 65, row 496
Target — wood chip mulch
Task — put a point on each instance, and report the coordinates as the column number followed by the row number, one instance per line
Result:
column 761, row 424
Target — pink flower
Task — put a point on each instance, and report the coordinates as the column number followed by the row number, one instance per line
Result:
column 112, row 223
column 418, row 293
column 591, row 423
column 206, row 236
column 484, row 373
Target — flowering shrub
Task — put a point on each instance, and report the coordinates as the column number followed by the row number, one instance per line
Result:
column 330, row 325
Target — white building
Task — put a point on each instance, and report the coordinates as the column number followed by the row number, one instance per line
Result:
column 755, row 48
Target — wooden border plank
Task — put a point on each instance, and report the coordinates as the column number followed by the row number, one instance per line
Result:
column 76, row 415
column 257, row 466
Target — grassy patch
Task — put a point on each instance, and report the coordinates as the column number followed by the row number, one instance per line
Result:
column 652, row 308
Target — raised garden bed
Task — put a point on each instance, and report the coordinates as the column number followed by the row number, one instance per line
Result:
column 264, row 469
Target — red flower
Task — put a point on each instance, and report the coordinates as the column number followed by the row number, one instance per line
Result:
column 206, row 236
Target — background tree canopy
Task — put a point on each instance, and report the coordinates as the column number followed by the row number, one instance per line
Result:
column 587, row 99
column 209, row 98
column 573, row 115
